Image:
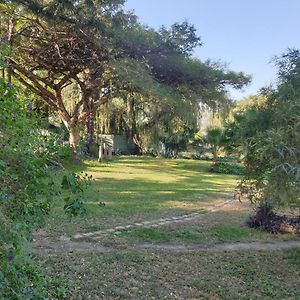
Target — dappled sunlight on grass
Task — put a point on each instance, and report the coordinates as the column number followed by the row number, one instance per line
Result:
column 150, row 181
column 130, row 187
column 132, row 190
column 184, row 205
column 194, row 205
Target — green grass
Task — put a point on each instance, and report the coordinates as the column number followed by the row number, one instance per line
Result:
column 216, row 234
column 143, row 188
column 293, row 256
column 140, row 188
column 178, row 275
column 222, row 226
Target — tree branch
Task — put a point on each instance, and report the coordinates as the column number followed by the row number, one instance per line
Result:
column 35, row 90
column 34, row 80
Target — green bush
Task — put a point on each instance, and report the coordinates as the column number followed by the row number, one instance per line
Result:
column 269, row 138
column 227, row 168
column 27, row 155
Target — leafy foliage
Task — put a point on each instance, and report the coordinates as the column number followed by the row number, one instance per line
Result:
column 212, row 142
column 270, row 137
column 75, row 184
column 227, row 168
column 23, row 200
column 27, row 156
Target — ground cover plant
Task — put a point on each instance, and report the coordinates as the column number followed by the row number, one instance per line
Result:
column 227, row 167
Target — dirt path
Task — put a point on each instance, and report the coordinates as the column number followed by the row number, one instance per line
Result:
column 53, row 248
column 45, row 245
column 224, row 246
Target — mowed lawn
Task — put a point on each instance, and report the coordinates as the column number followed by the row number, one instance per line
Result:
column 140, row 189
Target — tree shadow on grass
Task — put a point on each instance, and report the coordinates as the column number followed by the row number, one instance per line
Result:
column 141, row 188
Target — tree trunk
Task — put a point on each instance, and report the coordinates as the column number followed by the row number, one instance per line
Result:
column 134, row 130
column 90, row 128
column 74, row 138
column 138, row 144
column 9, row 38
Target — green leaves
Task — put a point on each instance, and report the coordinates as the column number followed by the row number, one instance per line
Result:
column 269, row 136
column 75, row 185
column 27, row 155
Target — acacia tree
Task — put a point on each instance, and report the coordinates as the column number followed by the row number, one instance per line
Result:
column 48, row 68
column 87, row 42
column 52, row 53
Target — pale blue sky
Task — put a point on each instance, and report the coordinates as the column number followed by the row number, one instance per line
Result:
column 244, row 33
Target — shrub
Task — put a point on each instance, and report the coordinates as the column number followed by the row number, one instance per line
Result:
column 26, row 189
column 269, row 137
column 227, row 168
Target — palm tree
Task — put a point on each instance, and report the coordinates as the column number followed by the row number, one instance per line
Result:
column 213, row 141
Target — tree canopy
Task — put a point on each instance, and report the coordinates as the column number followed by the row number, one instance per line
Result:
column 106, row 53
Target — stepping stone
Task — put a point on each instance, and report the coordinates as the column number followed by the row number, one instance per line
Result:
column 109, row 230
column 178, row 221
column 92, row 233
column 163, row 223
column 181, row 218
column 138, row 224
column 190, row 218
column 128, row 226
column 120, row 228
column 77, row 236
column 146, row 223
column 99, row 237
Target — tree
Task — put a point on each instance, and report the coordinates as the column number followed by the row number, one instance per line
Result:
column 243, row 122
column 212, row 142
column 160, row 68
column 50, row 56
column 270, row 138
column 95, row 45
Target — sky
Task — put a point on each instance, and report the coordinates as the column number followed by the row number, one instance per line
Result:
column 245, row 34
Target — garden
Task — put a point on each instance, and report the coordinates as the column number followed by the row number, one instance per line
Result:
column 127, row 171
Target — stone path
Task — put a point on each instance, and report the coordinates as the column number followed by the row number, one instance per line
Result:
column 66, row 244
column 96, row 235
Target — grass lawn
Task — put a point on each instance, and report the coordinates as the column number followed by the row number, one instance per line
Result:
column 139, row 189
column 152, row 274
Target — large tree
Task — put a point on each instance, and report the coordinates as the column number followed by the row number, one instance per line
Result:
column 163, row 82
column 52, row 51
column 104, row 51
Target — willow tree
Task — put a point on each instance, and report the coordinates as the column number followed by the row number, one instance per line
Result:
column 163, row 84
